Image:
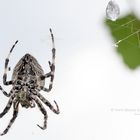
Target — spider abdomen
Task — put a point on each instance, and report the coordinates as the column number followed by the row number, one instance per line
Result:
column 28, row 66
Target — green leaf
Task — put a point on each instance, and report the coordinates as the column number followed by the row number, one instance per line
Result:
column 126, row 34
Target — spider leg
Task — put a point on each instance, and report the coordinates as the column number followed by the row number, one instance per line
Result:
column 15, row 113
column 51, row 65
column 8, row 106
column 5, row 82
column 5, row 93
column 46, row 102
column 45, row 89
column 44, row 112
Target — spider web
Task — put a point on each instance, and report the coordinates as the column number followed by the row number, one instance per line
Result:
column 126, row 34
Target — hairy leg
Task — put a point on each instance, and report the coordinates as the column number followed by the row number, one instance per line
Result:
column 44, row 88
column 5, row 82
column 15, row 113
column 51, row 65
column 42, row 109
column 5, row 93
column 46, row 102
column 8, row 106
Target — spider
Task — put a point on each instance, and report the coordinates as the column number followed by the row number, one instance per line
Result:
column 28, row 79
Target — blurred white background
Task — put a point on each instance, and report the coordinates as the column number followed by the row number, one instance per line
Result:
column 98, row 96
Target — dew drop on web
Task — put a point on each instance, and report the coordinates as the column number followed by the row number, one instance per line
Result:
column 112, row 10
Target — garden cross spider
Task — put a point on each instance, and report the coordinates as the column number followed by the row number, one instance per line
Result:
column 28, row 79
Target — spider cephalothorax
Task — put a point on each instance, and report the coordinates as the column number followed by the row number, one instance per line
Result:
column 28, row 80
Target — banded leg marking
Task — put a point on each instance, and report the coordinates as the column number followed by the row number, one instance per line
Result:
column 15, row 113
column 51, row 65
column 44, row 112
column 46, row 102
column 8, row 106
column 5, row 93
column 5, row 82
